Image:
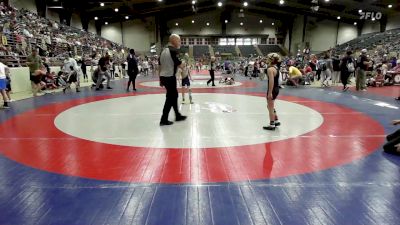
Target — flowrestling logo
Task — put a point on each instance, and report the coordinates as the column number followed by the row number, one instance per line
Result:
column 370, row 15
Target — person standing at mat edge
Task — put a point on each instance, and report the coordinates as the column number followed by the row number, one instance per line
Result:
column 3, row 84
column 273, row 60
column 212, row 70
column 34, row 62
column 104, row 64
column 169, row 63
column 133, row 69
column 347, row 67
column 362, row 65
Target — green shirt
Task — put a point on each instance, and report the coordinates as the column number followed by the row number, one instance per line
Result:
column 35, row 62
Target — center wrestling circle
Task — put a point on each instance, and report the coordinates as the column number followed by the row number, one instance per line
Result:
column 215, row 120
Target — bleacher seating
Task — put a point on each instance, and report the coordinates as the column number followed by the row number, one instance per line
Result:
column 389, row 40
column 200, row 51
column 225, row 49
column 266, row 49
column 248, row 50
column 22, row 30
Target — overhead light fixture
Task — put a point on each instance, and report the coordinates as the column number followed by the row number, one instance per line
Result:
column 245, row 4
column 127, row 17
column 96, row 18
column 281, row 2
column 219, row 4
column 101, row 4
column 261, row 21
column 192, row 21
column 226, row 21
column 338, row 17
column 208, row 24
column 193, row 2
column 116, row 9
column 106, row 23
column 355, row 23
column 390, row 6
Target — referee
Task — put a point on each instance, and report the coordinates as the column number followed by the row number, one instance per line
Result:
column 169, row 64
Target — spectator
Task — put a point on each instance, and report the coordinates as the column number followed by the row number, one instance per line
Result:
column 83, row 69
column 8, row 85
column 34, row 63
column 294, row 74
column 313, row 65
column 112, row 68
column 133, row 69
column 103, row 71
column 378, row 80
column 363, row 64
column 3, row 84
column 72, row 78
column 308, row 74
column 346, row 68
column 326, row 70
column 336, row 70
column 393, row 62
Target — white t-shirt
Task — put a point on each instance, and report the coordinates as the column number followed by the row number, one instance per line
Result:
column 2, row 71
column 68, row 63
column 145, row 65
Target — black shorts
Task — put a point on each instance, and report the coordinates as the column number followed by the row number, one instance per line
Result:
column 35, row 79
column 72, row 79
column 185, row 82
column 275, row 93
column 8, row 85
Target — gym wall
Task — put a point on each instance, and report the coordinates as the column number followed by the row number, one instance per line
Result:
column 371, row 27
column 347, row 32
column 133, row 33
column 393, row 22
column 24, row 4
column 321, row 34
column 112, row 32
column 92, row 27
column 199, row 27
column 76, row 21
column 297, row 34
column 251, row 25
column 53, row 15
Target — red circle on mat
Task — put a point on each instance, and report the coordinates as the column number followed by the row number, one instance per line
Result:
column 345, row 135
